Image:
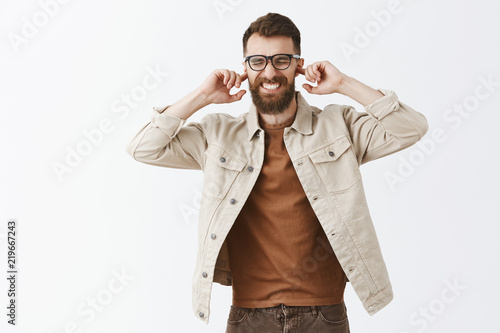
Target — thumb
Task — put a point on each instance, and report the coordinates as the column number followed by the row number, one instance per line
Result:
column 237, row 96
column 310, row 89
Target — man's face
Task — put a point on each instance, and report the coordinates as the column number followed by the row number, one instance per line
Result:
column 272, row 90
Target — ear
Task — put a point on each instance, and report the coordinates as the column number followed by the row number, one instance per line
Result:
column 300, row 64
column 244, row 66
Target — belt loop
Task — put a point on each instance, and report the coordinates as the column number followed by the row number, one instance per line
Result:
column 252, row 312
column 314, row 310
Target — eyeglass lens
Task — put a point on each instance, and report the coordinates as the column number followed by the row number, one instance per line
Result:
column 279, row 62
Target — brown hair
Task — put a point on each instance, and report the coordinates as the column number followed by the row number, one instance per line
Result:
column 273, row 24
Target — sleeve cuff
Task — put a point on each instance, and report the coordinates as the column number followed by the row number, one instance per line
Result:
column 168, row 123
column 384, row 105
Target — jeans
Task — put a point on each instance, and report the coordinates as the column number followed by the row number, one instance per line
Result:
column 289, row 319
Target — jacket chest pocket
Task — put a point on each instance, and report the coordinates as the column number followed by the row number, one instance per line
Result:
column 221, row 169
column 336, row 164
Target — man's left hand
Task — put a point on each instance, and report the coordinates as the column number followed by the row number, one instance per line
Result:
column 328, row 77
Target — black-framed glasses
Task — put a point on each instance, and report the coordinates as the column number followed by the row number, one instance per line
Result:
column 280, row 61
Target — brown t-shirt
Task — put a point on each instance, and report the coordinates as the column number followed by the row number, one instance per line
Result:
column 278, row 250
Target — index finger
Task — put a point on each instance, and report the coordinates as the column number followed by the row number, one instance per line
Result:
column 244, row 76
column 300, row 70
column 240, row 79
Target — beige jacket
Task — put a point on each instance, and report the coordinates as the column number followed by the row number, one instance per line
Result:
column 326, row 148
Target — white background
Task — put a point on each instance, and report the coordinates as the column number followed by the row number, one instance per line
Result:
column 111, row 215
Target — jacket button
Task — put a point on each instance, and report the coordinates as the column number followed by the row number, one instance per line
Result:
column 201, row 314
column 222, row 159
column 212, row 236
column 204, row 274
column 250, row 169
column 330, row 153
column 232, row 201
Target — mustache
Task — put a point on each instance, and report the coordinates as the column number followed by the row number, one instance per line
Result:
column 277, row 79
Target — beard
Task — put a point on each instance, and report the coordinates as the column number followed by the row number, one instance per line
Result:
column 272, row 103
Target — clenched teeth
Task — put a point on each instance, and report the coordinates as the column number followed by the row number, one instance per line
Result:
column 271, row 86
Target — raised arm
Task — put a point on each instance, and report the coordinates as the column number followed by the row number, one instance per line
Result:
column 387, row 126
column 166, row 142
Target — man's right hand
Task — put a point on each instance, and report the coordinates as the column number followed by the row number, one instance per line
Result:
column 216, row 87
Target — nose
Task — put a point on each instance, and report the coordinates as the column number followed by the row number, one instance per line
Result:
column 269, row 72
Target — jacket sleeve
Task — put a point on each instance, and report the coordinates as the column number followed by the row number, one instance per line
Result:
column 165, row 142
column 388, row 126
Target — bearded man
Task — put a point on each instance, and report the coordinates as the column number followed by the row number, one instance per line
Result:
column 283, row 217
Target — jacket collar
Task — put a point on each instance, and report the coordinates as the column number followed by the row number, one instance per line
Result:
column 302, row 122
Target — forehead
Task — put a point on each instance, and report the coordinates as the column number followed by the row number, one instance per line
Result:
column 258, row 44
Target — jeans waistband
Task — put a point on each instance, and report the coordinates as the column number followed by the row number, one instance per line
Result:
column 288, row 308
